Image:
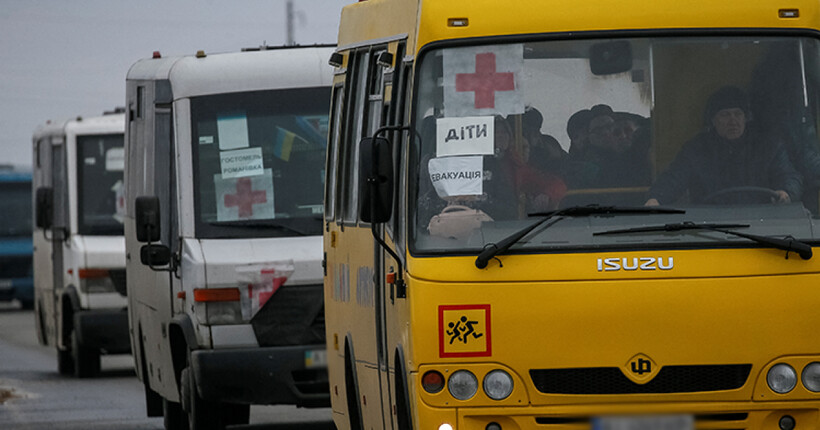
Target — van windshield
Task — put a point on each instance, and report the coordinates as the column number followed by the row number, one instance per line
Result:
column 100, row 161
column 724, row 128
column 16, row 219
column 260, row 162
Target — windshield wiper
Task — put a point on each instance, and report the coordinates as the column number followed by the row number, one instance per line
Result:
column 788, row 244
column 263, row 224
column 491, row 250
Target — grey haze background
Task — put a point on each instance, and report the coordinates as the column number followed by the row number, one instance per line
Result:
column 64, row 58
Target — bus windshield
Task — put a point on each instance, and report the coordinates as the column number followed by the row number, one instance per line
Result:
column 99, row 181
column 723, row 128
column 16, row 219
column 259, row 162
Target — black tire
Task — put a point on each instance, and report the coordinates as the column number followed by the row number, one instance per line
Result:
column 86, row 360
column 174, row 418
column 65, row 362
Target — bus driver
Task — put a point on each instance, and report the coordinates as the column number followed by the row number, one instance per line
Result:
column 728, row 155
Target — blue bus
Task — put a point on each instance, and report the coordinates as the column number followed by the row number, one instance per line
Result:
column 16, row 281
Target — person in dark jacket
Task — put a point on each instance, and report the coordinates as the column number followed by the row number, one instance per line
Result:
column 728, row 155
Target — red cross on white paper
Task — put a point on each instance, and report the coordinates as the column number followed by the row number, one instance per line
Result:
column 245, row 197
column 485, row 81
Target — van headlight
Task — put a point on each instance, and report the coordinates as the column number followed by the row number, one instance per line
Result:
column 781, row 378
column 462, row 384
column 498, row 384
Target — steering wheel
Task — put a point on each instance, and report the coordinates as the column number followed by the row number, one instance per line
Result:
column 762, row 192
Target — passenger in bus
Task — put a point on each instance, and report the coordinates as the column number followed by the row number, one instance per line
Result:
column 578, row 131
column 546, row 153
column 616, row 153
column 536, row 190
column 728, row 155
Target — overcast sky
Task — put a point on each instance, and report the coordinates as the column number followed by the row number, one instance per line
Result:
column 61, row 58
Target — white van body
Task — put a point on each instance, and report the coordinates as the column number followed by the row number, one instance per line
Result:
column 204, row 356
column 79, row 257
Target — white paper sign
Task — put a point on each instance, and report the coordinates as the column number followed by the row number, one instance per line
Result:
column 472, row 135
column 483, row 80
column 232, row 131
column 115, row 160
column 241, row 163
column 457, row 176
column 244, row 198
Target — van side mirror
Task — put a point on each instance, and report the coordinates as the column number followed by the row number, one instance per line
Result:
column 147, row 219
column 609, row 58
column 375, row 180
column 44, row 207
column 155, row 255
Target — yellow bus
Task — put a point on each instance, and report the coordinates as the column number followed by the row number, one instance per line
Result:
column 567, row 215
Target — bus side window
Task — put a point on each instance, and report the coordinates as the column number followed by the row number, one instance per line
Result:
column 355, row 123
column 332, row 169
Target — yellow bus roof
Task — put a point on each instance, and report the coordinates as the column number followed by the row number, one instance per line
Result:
column 374, row 20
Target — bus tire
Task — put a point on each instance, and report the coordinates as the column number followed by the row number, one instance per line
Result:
column 174, row 418
column 202, row 414
column 354, row 412
column 86, row 360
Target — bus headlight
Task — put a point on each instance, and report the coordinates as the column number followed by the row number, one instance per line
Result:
column 811, row 377
column 498, row 384
column 781, row 378
column 462, row 384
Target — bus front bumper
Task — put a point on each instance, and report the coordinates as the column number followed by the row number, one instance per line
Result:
column 264, row 376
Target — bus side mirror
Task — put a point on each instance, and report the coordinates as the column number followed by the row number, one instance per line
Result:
column 609, row 58
column 44, row 208
column 155, row 255
column 375, row 180
column 147, row 219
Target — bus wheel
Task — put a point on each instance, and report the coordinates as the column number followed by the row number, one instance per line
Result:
column 354, row 412
column 174, row 417
column 86, row 360
column 205, row 414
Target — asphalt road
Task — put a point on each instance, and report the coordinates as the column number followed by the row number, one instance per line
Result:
column 33, row 396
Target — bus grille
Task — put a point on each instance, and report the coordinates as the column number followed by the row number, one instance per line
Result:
column 294, row 315
column 670, row 379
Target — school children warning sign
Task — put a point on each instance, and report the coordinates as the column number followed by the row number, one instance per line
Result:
column 464, row 331
column 483, row 80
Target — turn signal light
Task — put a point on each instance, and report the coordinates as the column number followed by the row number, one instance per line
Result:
column 216, row 295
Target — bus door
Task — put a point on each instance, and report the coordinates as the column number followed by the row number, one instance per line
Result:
column 385, row 108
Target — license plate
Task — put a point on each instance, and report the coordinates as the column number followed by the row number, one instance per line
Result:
column 644, row 422
column 316, row 358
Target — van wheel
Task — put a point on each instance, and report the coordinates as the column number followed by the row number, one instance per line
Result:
column 86, row 360
column 65, row 362
column 174, row 417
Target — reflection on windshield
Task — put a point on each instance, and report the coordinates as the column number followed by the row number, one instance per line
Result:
column 100, row 161
column 16, row 219
column 260, row 157
column 706, row 122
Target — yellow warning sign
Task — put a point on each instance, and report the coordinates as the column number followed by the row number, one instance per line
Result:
column 464, row 331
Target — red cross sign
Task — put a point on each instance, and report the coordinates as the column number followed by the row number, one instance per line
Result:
column 485, row 81
column 245, row 197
